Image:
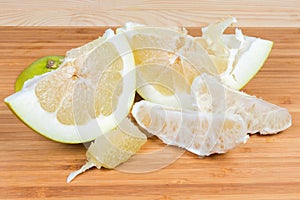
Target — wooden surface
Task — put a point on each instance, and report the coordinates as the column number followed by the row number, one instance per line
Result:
column 251, row 13
column 266, row 167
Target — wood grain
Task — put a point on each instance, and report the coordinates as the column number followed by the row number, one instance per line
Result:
column 266, row 167
column 250, row 13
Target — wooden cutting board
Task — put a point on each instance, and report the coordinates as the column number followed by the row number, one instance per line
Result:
column 266, row 167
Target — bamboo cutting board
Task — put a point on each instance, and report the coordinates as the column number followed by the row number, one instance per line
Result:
column 266, row 167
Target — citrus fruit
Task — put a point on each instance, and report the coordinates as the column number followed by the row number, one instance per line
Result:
column 168, row 59
column 113, row 148
column 89, row 94
column 38, row 67
column 198, row 132
column 237, row 57
column 260, row 116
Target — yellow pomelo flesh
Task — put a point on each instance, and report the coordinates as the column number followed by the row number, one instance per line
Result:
column 89, row 94
column 197, row 132
column 167, row 60
column 113, row 148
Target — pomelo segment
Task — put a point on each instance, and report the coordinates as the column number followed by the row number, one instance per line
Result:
column 113, row 148
column 167, row 60
column 260, row 116
column 89, row 94
column 198, row 132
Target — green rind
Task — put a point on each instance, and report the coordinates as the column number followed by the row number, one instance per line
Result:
column 36, row 68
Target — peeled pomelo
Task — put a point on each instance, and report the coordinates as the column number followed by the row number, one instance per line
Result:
column 113, row 148
column 260, row 116
column 201, row 133
column 88, row 95
column 38, row 67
